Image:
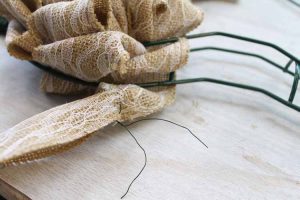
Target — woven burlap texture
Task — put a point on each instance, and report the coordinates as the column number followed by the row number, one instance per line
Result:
column 93, row 40
column 157, row 62
column 65, row 126
column 143, row 19
column 94, row 56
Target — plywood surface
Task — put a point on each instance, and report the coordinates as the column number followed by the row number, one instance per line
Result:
column 254, row 142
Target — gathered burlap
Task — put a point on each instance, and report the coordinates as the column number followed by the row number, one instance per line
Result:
column 151, row 20
column 145, row 20
column 98, row 57
column 19, row 43
column 99, row 41
column 94, row 56
column 65, row 126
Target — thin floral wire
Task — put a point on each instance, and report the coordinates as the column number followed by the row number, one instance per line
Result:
column 145, row 155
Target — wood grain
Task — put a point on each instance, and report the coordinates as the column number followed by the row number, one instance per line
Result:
column 254, row 142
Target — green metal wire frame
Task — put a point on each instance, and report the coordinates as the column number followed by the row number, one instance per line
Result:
column 172, row 80
column 295, row 2
column 293, row 59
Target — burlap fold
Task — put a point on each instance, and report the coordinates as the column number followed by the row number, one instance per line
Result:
column 55, row 85
column 145, row 20
column 65, row 126
column 18, row 43
column 94, row 56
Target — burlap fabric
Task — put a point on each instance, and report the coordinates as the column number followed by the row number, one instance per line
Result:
column 65, row 126
column 18, row 9
column 93, row 40
column 144, row 20
column 94, row 56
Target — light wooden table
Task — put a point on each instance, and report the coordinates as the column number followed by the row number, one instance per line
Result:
column 254, row 142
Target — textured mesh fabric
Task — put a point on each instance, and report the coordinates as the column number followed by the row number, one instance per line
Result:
column 19, row 44
column 145, row 20
column 94, row 40
column 65, row 126
column 89, row 57
column 142, row 19
column 94, row 56
column 55, row 85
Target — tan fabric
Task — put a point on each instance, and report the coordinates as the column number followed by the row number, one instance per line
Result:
column 154, row 65
column 32, row 5
column 158, row 19
column 65, row 126
column 92, row 57
column 89, row 57
column 60, row 55
column 45, row 2
column 93, row 40
column 63, row 20
column 144, row 20
column 5, row 13
column 153, row 19
column 18, row 44
column 55, row 85
column 19, row 9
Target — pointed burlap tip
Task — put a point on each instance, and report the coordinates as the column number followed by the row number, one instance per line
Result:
column 66, row 126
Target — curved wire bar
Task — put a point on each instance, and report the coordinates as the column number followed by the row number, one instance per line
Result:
column 226, row 83
column 284, row 69
column 295, row 84
column 229, row 35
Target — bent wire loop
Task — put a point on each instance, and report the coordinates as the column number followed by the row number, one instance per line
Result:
column 172, row 81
